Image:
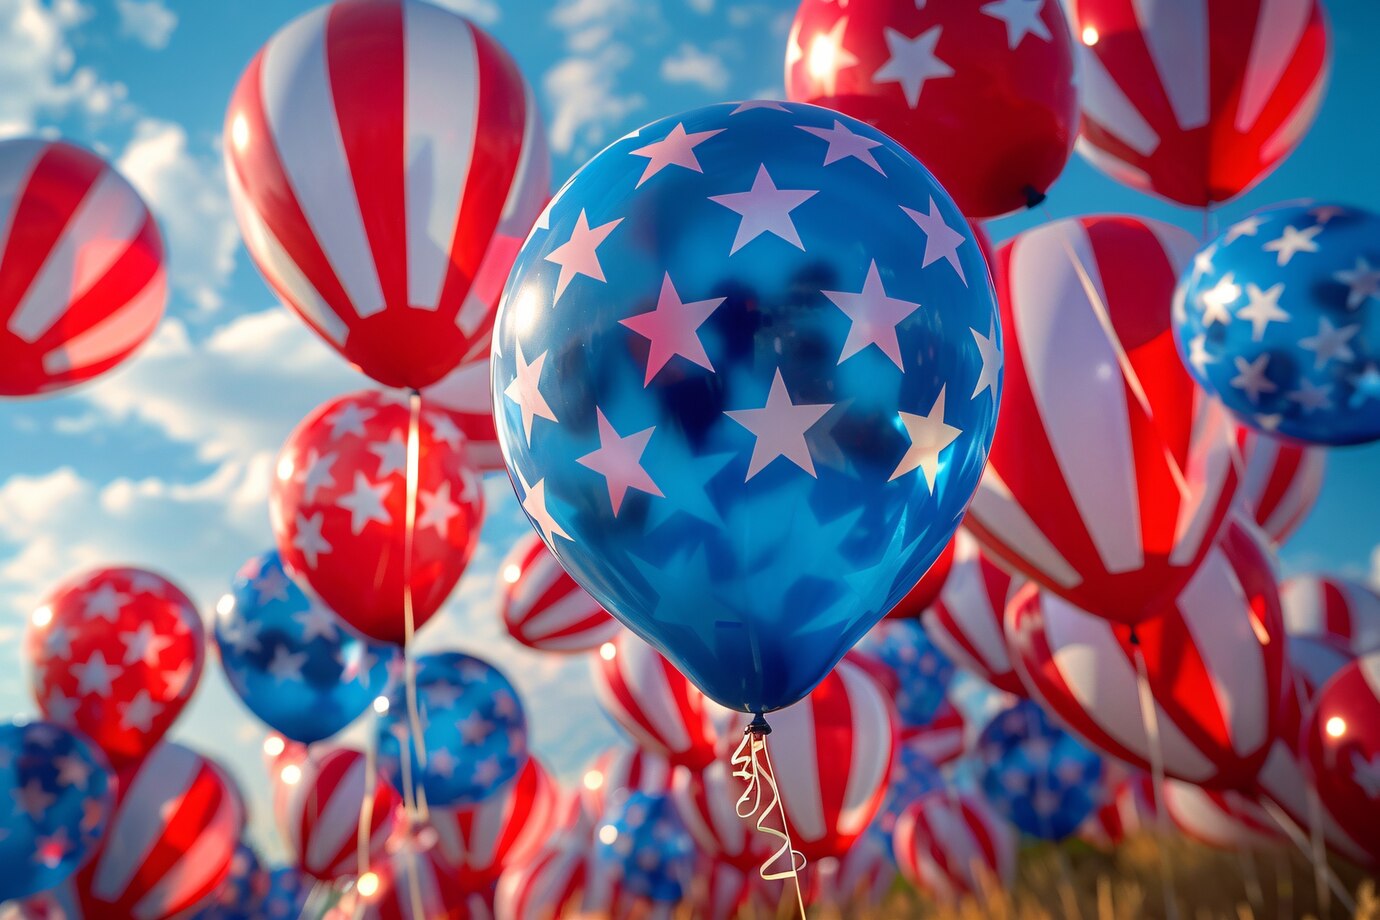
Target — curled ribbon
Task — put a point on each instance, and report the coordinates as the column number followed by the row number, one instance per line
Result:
column 748, row 766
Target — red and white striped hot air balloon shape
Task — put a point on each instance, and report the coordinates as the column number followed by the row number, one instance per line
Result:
column 82, row 275
column 943, row 739
column 317, row 803
column 550, row 885
column 1280, row 482
column 1214, row 660
column 855, row 882
column 544, row 608
column 465, row 392
column 966, row 621
column 662, row 711
column 706, row 801
column 476, row 843
column 1331, row 620
column 947, row 843
column 619, row 771
column 1111, row 472
column 1128, row 804
column 386, row 160
column 1196, row 100
column 1219, row 818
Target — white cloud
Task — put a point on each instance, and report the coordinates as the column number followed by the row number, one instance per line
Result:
column 186, row 189
column 38, row 72
column 583, row 91
column 702, row 6
column 696, row 66
column 484, row 12
column 148, row 22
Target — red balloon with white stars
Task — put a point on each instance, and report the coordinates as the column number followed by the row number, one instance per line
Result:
column 339, row 509
column 117, row 653
column 981, row 93
column 1343, row 748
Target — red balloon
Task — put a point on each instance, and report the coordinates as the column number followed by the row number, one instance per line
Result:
column 508, row 828
column 1197, row 100
column 966, row 620
column 1280, row 482
column 927, row 589
column 941, row 741
column 339, row 509
column 945, row 843
column 1111, row 471
column 386, row 160
column 544, row 608
column 1342, row 742
column 654, row 703
column 117, row 653
column 82, row 275
column 317, row 802
column 1220, row 818
column 981, row 93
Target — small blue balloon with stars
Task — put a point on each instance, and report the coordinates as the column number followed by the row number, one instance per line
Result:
column 645, row 847
column 1279, row 318
column 294, row 663
column 55, row 798
column 1035, row 774
column 912, row 776
column 286, row 898
column 923, row 672
column 474, row 731
column 745, row 377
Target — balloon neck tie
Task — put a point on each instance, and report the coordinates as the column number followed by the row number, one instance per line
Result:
column 418, row 811
column 1033, row 197
column 752, row 763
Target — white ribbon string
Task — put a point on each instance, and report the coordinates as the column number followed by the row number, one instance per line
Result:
column 747, row 764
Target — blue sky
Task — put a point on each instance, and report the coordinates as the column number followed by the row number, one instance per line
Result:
column 165, row 462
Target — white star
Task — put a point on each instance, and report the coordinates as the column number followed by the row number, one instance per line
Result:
column 1247, row 227
column 138, row 714
column 827, row 56
column 59, row 707
column 1250, row 377
column 534, row 503
column 1216, row 301
column 991, row 360
column 1330, row 342
column 94, row 675
column 104, row 603
column 676, row 149
column 437, row 510
column 441, row 763
column 672, row 329
column 1202, row 262
column 58, row 642
column 1262, row 309
column 751, row 104
column 308, row 540
column 941, row 240
column 780, row 427
column 318, row 475
column 619, row 461
column 33, row 799
column 912, row 62
column 443, row 428
column 141, row 582
column 929, row 434
column 1293, row 242
column 486, row 771
column 1198, row 354
column 1366, row 773
column 874, row 316
column 525, row 390
column 392, row 454
column 365, row 503
column 442, row 694
column 1022, row 18
column 349, row 419
column 244, row 636
column 1363, row 283
column 579, row 255
column 316, row 621
column 474, row 728
column 144, row 645
column 286, row 665
column 272, row 585
column 843, row 144
column 1310, row 396
column 764, row 209
column 72, row 771
column 179, row 682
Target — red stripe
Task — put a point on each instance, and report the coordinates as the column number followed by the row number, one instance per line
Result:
column 1336, row 610
column 206, row 796
column 1284, row 461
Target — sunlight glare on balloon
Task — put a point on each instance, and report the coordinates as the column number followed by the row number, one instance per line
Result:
column 43, row 616
column 274, row 745
column 368, row 884
column 1336, row 727
column 1090, row 36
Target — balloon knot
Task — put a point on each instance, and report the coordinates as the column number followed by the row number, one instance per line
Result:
column 758, row 726
column 1033, row 197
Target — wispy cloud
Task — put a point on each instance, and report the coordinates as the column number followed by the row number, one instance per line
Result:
column 583, row 90
column 693, row 65
column 484, row 12
column 38, row 71
column 148, row 22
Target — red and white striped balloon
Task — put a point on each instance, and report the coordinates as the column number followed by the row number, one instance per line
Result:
column 706, row 801
column 1215, row 662
column 943, row 740
column 855, row 882
column 1219, row 818
column 466, row 392
column 1128, row 804
column 1280, row 482
column 945, row 843
column 82, row 275
column 436, row 892
column 544, row 608
column 966, row 621
column 1339, row 610
column 317, row 803
column 1196, row 100
column 619, row 771
column 662, row 711
column 1342, row 745
column 1111, row 472
column 507, row 828
column 386, row 160
column 550, row 885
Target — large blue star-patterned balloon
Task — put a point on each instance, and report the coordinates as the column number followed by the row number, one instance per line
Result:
column 474, row 731
column 293, row 662
column 646, row 848
column 746, row 374
column 923, row 672
column 1035, row 774
column 1279, row 318
column 55, row 797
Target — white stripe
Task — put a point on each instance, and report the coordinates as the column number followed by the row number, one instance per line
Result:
column 338, row 820
column 950, row 833
column 466, row 390
column 1315, row 660
column 1176, row 35
column 123, row 329
column 965, row 598
column 1302, row 600
column 1370, row 670
column 280, row 268
column 442, row 111
column 796, row 761
column 566, row 612
column 1298, row 122
column 1283, row 781
column 535, row 580
column 1210, row 461
column 198, row 864
column 298, row 104
column 98, row 234
column 1278, row 27
column 1105, row 103
column 650, row 686
column 1078, row 399
column 158, row 787
column 1301, row 493
column 17, row 160
column 997, row 511
column 871, row 749
column 488, row 822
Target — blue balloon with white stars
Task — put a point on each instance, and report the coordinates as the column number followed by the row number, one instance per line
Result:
column 474, row 731
column 1035, row 774
column 912, row 775
column 923, row 672
column 286, row 898
column 745, row 374
column 646, row 848
column 1279, row 318
column 241, row 895
column 294, row 663
column 55, row 798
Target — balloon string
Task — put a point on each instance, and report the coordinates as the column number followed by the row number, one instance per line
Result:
column 748, row 766
column 1317, row 853
column 414, row 885
column 419, row 810
column 366, row 808
column 1150, row 720
column 1295, row 834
